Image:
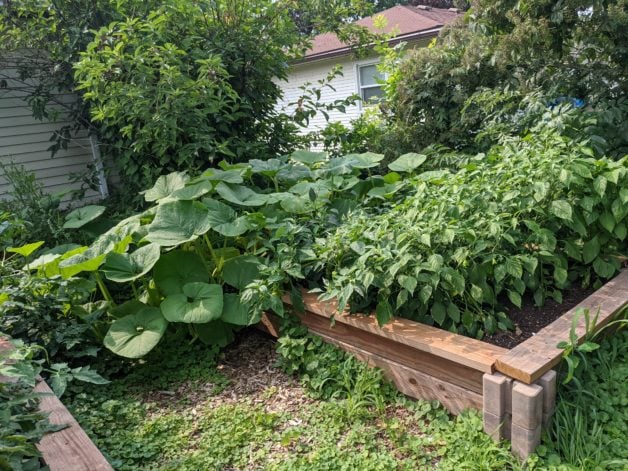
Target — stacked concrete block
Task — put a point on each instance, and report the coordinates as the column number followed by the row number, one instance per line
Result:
column 548, row 383
column 517, row 411
column 497, row 408
column 527, row 417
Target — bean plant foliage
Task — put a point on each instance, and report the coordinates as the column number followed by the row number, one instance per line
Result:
column 446, row 246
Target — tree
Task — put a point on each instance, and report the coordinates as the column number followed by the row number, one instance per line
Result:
column 502, row 52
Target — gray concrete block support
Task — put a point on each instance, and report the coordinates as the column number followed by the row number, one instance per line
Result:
column 516, row 411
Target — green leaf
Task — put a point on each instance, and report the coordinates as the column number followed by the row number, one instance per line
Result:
column 561, row 209
column 599, row 185
column 79, row 263
column 123, row 268
column 620, row 231
column 26, row 250
column 165, row 186
column 178, row 222
column 81, row 216
column 425, row 293
column 135, row 335
column 217, row 333
column 500, row 272
column 240, row 195
column 560, row 274
column 476, row 293
column 515, row 298
column 407, row 282
column 453, row 312
column 591, row 250
column 513, row 267
column 603, row 268
column 588, row 347
column 608, row 221
column 234, row 312
column 223, row 219
column 240, row 271
column 439, row 313
column 192, row 192
column 87, row 375
column 199, row 303
column 383, row 312
column 177, row 268
column 308, row 158
column 407, row 162
column 364, row 160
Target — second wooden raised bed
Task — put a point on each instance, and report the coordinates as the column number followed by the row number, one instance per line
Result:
column 514, row 388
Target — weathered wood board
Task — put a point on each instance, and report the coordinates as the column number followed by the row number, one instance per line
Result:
column 462, row 350
column 69, row 449
column 529, row 360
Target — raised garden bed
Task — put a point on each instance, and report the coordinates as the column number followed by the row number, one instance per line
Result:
column 515, row 388
column 69, row 449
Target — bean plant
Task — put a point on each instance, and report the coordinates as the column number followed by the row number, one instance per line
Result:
column 529, row 218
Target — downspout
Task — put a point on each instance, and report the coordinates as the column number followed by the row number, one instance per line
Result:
column 100, row 170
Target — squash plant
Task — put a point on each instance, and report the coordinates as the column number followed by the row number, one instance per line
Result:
column 213, row 252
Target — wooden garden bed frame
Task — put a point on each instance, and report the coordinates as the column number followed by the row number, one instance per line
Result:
column 69, row 449
column 514, row 388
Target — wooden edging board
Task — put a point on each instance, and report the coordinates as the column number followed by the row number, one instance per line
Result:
column 529, row 360
column 69, row 449
column 430, row 363
column 462, row 350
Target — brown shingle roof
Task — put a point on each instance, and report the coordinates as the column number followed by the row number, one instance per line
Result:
column 405, row 20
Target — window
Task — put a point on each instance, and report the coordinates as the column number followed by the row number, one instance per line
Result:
column 369, row 83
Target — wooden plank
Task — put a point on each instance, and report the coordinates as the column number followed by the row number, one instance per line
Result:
column 69, row 449
column 411, row 382
column 400, row 353
column 528, row 361
column 416, row 384
column 462, row 350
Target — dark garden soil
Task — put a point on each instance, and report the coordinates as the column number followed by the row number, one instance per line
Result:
column 529, row 319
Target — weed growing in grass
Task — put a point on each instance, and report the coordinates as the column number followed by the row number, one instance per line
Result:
column 590, row 425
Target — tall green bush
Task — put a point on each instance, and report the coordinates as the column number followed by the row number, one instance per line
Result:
column 500, row 52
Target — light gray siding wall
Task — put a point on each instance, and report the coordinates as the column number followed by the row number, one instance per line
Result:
column 25, row 141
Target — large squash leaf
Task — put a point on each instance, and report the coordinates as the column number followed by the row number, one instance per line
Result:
column 135, row 335
column 199, row 303
column 177, row 222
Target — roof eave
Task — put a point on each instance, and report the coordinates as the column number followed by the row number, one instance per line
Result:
column 348, row 49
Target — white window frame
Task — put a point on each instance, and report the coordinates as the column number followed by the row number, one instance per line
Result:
column 358, row 65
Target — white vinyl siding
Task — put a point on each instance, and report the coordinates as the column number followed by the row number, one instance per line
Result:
column 25, row 140
column 345, row 86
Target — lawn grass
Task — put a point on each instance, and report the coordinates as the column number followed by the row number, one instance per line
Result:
column 187, row 407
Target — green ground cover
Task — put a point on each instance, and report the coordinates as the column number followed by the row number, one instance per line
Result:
column 192, row 408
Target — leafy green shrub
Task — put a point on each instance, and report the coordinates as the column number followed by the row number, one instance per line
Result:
column 21, row 423
column 329, row 373
column 40, row 213
column 529, row 218
column 505, row 51
column 49, row 313
column 188, row 85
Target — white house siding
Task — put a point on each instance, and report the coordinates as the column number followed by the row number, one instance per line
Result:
column 312, row 72
column 25, row 140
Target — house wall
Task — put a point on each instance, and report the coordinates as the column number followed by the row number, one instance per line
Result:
column 344, row 86
column 25, row 140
